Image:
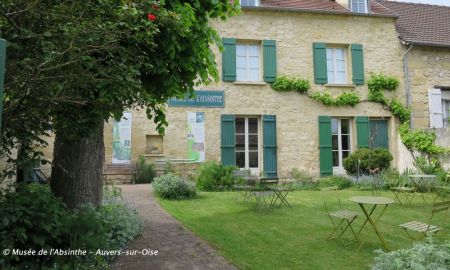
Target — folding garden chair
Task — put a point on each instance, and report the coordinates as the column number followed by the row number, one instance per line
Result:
column 427, row 228
column 341, row 219
column 241, row 180
column 265, row 198
column 404, row 188
column 443, row 191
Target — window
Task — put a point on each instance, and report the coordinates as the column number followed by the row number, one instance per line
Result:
column 249, row 3
column 336, row 66
column 378, row 134
column 359, row 6
column 154, row 144
column 341, row 144
column 446, row 112
column 247, row 142
column 247, row 62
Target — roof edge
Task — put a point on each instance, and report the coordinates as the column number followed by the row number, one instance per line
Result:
column 319, row 11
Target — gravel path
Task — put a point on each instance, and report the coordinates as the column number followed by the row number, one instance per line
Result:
column 178, row 247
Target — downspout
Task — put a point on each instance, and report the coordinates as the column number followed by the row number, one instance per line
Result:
column 407, row 81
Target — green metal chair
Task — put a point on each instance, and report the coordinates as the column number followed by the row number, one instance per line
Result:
column 427, row 228
column 443, row 191
column 241, row 184
column 403, row 188
column 341, row 219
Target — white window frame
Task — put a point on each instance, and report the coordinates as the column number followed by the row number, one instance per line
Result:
column 257, row 3
column 253, row 170
column 366, row 6
column 334, row 68
column 247, row 63
column 446, row 112
column 340, row 169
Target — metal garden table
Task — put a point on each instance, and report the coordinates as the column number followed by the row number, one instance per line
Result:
column 362, row 201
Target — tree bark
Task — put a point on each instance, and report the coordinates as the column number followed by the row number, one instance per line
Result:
column 77, row 168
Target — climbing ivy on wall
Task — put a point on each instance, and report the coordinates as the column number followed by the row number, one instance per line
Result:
column 421, row 141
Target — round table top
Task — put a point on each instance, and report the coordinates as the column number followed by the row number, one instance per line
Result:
column 371, row 200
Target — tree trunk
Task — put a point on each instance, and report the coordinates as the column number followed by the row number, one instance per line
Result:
column 77, row 168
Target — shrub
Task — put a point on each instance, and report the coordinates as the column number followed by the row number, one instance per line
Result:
column 213, row 176
column 172, row 187
column 427, row 255
column 145, row 172
column 303, row 180
column 32, row 218
column 363, row 160
column 284, row 84
column 341, row 182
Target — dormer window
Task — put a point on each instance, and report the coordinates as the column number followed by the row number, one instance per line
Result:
column 249, row 3
column 359, row 6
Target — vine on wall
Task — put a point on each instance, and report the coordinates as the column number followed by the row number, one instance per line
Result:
column 420, row 141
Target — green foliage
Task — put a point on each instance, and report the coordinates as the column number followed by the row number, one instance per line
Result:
column 107, row 58
column 420, row 140
column 284, row 84
column 303, row 180
column 367, row 159
column 32, row 218
column 376, row 96
column 145, row 172
column 172, row 187
column 428, row 166
column 168, row 167
column 341, row 182
column 399, row 110
column 346, row 98
column 213, row 176
column 380, row 82
column 428, row 255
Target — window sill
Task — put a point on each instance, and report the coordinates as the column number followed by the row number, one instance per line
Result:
column 250, row 83
column 153, row 155
column 342, row 85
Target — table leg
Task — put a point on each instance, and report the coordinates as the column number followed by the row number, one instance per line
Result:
column 380, row 236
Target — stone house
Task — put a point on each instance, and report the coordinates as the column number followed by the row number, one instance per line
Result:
column 424, row 32
column 242, row 121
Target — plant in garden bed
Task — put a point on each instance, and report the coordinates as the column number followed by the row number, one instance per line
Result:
column 303, row 180
column 213, row 176
column 341, row 182
column 172, row 187
column 365, row 160
column 32, row 218
column 145, row 172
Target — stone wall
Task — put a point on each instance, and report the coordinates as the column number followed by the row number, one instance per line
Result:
column 428, row 67
column 297, row 124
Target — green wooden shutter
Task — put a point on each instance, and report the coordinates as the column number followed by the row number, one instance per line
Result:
column 228, row 144
column 2, row 74
column 270, row 145
column 270, row 60
column 379, row 137
column 362, row 131
column 229, row 60
column 326, row 159
column 357, row 64
column 320, row 63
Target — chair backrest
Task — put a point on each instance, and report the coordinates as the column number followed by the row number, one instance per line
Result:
column 328, row 192
column 440, row 207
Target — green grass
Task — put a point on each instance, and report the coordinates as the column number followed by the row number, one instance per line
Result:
column 292, row 238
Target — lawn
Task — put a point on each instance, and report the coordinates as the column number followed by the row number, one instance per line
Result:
column 291, row 238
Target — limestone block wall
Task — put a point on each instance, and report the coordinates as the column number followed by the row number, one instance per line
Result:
column 297, row 124
column 428, row 67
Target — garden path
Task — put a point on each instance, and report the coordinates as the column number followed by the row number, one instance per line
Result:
column 178, row 247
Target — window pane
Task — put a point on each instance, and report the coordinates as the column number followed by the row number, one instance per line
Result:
column 335, row 143
column 253, row 125
column 253, row 159
column 334, row 126
column 345, row 126
column 240, row 159
column 329, row 54
column 340, row 65
column 241, row 74
column 254, row 62
column 340, row 77
column 345, row 142
column 335, row 159
column 330, row 75
column 345, row 154
column 240, row 125
column 339, row 54
column 253, row 75
column 253, row 142
column 240, row 142
column 330, row 65
column 253, row 50
column 240, row 50
column 240, row 62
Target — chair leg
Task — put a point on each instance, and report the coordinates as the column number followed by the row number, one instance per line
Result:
column 397, row 197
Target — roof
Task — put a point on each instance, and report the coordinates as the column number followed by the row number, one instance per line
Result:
column 421, row 24
column 321, row 6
